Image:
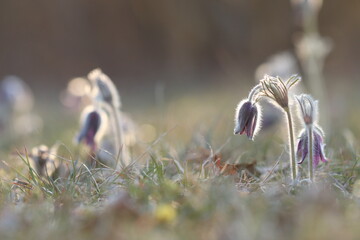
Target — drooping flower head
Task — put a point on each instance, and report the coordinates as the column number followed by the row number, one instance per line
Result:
column 103, row 88
column 92, row 127
column 308, row 108
column 278, row 90
column 248, row 115
column 247, row 119
column 318, row 147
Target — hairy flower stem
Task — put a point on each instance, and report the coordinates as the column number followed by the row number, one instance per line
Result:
column 293, row 165
column 254, row 92
column 119, row 139
column 311, row 151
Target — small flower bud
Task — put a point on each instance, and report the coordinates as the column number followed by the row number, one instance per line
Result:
column 43, row 160
column 308, row 108
column 247, row 119
column 39, row 156
column 318, row 147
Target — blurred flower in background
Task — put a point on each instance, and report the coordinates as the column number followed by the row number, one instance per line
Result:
column 16, row 108
column 75, row 96
column 283, row 64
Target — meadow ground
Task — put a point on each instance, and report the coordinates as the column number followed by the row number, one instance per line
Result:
column 176, row 189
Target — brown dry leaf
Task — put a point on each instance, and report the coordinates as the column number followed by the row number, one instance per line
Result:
column 233, row 169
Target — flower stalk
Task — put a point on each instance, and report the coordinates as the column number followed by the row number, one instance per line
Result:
column 278, row 91
column 122, row 150
column 311, row 152
column 293, row 165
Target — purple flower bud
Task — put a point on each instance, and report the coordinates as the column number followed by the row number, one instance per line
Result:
column 302, row 150
column 247, row 119
column 90, row 128
column 308, row 107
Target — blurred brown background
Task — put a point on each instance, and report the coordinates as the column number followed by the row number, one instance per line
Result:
column 144, row 40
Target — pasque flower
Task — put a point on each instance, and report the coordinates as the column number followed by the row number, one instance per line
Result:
column 44, row 162
column 311, row 138
column 308, row 107
column 39, row 156
column 92, row 122
column 277, row 90
column 248, row 114
column 106, row 94
column 247, row 119
column 318, row 146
